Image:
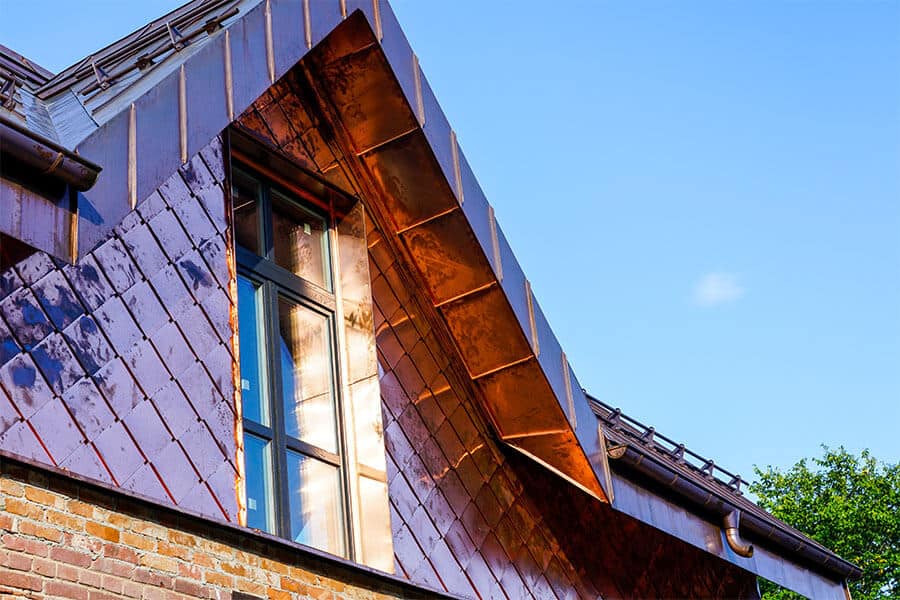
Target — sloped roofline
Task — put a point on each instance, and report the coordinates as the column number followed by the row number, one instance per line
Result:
column 147, row 123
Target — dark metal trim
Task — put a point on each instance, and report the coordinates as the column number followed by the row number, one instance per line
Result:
column 710, row 499
column 46, row 156
column 277, row 282
column 250, row 540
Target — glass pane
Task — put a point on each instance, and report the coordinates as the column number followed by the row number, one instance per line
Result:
column 317, row 518
column 307, row 375
column 300, row 241
column 378, row 548
column 245, row 195
column 251, row 344
column 259, row 483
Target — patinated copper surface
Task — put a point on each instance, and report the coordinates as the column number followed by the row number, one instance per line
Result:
column 119, row 367
column 462, row 502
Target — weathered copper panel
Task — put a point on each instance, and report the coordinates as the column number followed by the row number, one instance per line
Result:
column 414, row 187
column 323, row 17
column 478, row 212
column 248, row 57
column 462, row 517
column 205, row 89
column 157, row 148
column 437, row 132
column 487, row 340
column 36, row 219
column 371, row 102
column 112, row 361
column 288, row 26
column 106, row 204
column 398, row 52
column 448, row 256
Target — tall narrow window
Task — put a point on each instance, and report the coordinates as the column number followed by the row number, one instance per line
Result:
column 295, row 461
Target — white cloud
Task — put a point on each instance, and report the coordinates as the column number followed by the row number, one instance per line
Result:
column 714, row 289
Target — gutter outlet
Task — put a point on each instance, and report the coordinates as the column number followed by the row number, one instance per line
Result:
column 731, row 523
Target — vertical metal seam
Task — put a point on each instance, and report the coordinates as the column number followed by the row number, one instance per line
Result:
column 495, row 244
column 570, row 399
column 454, row 147
column 376, row 8
column 270, row 48
column 229, row 82
column 535, row 345
column 307, row 24
column 132, row 156
column 182, row 115
column 343, row 9
column 417, row 79
column 73, row 232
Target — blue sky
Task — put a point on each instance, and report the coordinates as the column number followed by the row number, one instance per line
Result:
column 704, row 195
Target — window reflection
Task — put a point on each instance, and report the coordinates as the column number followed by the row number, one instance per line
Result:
column 300, row 241
column 259, row 485
column 245, row 193
column 250, row 327
column 315, row 503
column 306, row 374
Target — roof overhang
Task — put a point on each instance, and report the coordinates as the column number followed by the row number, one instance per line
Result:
column 399, row 143
column 396, row 135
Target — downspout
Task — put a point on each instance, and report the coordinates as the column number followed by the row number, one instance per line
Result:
column 731, row 523
column 708, row 500
column 46, row 156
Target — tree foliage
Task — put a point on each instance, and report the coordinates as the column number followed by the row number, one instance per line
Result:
column 848, row 503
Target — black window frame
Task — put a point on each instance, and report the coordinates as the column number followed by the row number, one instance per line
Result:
column 275, row 281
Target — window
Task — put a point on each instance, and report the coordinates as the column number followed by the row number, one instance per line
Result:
column 297, row 483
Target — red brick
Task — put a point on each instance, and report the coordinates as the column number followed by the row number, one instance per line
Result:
column 113, row 584
column 102, row 531
column 67, row 572
column 66, row 590
column 16, row 561
column 89, row 578
column 72, row 557
column 156, row 579
column 99, row 595
column 22, row 581
column 41, row 531
column 80, row 508
column 23, row 508
column 119, row 552
column 24, row 544
column 191, row 588
column 42, row 496
column 44, row 567
column 6, row 522
column 189, row 571
column 113, row 567
column 132, row 589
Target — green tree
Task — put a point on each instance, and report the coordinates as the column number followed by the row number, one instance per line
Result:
column 848, row 503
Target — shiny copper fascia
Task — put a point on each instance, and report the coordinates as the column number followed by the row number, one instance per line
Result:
column 411, row 177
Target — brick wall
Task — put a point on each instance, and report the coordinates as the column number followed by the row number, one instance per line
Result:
column 60, row 537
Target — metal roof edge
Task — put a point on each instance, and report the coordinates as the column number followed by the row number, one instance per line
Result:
column 708, row 494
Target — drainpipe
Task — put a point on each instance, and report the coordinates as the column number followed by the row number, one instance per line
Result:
column 731, row 523
column 704, row 497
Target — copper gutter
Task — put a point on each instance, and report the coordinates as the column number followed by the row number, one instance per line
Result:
column 756, row 522
column 46, row 156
